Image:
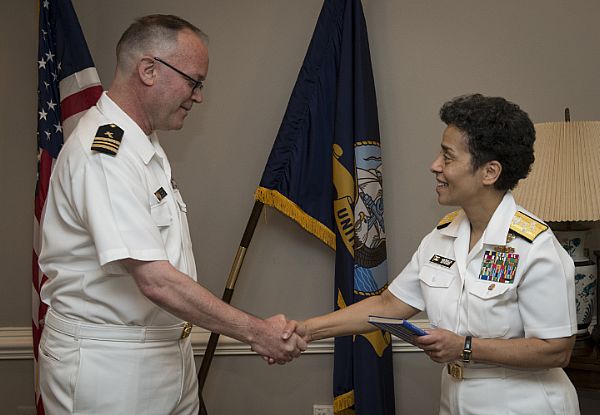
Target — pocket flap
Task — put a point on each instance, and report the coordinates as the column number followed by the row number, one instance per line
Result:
column 488, row 289
column 160, row 214
column 436, row 277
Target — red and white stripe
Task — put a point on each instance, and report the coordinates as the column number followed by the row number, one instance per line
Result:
column 78, row 92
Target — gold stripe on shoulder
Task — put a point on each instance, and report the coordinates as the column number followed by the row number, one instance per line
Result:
column 105, row 143
column 103, row 148
column 447, row 220
column 116, row 143
column 526, row 226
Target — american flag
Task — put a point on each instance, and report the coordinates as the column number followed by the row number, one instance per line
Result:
column 68, row 84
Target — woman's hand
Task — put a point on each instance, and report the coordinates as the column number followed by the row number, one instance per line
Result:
column 442, row 346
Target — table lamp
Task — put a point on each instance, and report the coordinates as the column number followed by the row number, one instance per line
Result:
column 563, row 189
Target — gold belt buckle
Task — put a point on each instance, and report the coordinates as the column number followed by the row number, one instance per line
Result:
column 187, row 329
column 455, row 370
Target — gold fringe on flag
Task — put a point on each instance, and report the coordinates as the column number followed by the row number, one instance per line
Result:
column 341, row 403
column 275, row 199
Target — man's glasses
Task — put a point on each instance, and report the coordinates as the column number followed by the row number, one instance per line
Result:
column 196, row 85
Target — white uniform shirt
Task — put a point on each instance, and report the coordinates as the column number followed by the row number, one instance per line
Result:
column 102, row 208
column 540, row 302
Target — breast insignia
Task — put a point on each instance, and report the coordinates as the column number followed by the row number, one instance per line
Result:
column 160, row 194
column 527, row 227
column 108, row 139
column 447, row 220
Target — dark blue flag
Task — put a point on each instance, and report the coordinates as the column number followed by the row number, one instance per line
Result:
column 325, row 172
column 68, row 84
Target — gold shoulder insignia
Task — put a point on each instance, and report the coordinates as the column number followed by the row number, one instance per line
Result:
column 108, row 139
column 447, row 220
column 526, row 226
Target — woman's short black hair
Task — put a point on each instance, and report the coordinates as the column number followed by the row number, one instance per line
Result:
column 496, row 129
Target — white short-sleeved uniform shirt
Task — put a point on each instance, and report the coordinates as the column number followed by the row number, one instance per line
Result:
column 103, row 208
column 449, row 282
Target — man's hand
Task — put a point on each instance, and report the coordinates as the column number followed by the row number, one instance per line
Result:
column 442, row 346
column 276, row 346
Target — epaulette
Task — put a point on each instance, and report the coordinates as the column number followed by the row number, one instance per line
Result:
column 108, row 139
column 447, row 220
column 526, row 226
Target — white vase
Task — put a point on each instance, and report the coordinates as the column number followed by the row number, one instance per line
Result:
column 573, row 242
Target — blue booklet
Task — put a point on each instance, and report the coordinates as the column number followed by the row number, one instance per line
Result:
column 400, row 328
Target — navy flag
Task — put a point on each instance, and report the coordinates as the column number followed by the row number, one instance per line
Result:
column 325, row 172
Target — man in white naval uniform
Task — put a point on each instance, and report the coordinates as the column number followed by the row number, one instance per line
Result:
column 116, row 247
column 497, row 286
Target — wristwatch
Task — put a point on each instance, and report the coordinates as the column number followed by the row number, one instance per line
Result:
column 466, row 353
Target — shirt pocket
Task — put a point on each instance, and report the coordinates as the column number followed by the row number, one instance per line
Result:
column 161, row 215
column 435, row 283
column 490, row 308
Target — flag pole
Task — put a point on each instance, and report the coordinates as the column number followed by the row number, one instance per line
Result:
column 227, row 294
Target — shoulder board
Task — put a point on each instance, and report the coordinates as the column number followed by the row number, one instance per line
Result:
column 108, row 139
column 526, row 226
column 447, row 220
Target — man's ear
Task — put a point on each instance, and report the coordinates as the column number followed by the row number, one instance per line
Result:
column 491, row 172
column 146, row 69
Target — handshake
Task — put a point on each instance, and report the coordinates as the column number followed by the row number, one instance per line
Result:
column 279, row 340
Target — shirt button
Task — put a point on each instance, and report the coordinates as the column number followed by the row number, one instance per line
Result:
column 491, row 287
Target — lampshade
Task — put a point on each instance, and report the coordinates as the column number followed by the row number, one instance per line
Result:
column 564, row 183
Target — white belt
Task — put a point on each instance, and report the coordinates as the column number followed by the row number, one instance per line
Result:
column 459, row 372
column 79, row 330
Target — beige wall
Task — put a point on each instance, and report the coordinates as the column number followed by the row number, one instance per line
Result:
column 18, row 85
column 542, row 54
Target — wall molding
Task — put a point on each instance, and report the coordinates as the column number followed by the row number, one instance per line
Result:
column 16, row 344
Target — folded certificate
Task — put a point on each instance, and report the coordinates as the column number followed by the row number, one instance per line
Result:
column 398, row 327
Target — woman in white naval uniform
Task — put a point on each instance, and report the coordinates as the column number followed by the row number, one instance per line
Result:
column 497, row 286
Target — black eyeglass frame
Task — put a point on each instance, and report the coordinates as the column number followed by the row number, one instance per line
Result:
column 198, row 84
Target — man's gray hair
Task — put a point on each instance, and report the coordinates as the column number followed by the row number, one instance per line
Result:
column 152, row 34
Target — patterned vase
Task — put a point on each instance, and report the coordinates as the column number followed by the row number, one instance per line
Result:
column 585, row 294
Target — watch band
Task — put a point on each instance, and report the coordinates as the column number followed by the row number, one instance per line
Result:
column 466, row 353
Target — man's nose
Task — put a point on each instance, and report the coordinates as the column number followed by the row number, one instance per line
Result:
column 197, row 96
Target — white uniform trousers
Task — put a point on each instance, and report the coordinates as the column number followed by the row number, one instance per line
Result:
column 526, row 392
column 87, row 376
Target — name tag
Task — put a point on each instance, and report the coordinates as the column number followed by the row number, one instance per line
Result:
column 440, row 260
